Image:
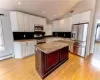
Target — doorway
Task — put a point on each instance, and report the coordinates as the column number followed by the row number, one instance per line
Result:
column 97, row 40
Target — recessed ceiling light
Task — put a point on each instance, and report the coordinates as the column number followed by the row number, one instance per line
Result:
column 61, row 13
column 54, row 15
column 43, row 12
column 19, row 2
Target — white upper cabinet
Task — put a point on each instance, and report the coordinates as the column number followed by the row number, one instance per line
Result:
column 68, row 24
column 39, row 21
column 85, row 17
column 48, row 30
column 81, row 18
column 31, row 23
column 17, row 23
column 26, row 23
column 55, row 26
column 21, row 22
column 65, row 24
column 76, row 19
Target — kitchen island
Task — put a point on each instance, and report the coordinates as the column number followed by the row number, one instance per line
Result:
column 49, row 56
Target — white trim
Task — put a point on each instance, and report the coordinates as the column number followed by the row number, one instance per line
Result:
column 6, row 57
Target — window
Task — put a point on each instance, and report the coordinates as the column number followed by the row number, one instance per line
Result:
column 1, row 37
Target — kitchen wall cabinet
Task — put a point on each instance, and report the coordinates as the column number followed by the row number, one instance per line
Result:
column 55, row 26
column 81, row 17
column 22, row 22
column 76, row 19
column 23, row 49
column 65, row 24
column 17, row 21
column 31, row 21
column 85, row 17
column 48, row 29
column 26, row 22
column 39, row 21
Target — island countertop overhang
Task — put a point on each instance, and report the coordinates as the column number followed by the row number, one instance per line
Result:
column 51, row 46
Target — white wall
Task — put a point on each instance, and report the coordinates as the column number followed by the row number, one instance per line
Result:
column 96, row 18
column 8, row 37
column 83, row 6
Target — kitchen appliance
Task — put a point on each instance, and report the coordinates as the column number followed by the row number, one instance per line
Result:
column 39, row 34
column 38, row 28
column 79, row 36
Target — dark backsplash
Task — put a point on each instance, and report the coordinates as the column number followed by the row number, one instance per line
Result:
column 62, row 34
column 30, row 35
column 25, row 35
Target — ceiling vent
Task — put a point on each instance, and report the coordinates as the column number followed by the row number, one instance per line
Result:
column 71, row 11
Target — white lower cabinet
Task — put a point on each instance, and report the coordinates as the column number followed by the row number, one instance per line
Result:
column 24, row 49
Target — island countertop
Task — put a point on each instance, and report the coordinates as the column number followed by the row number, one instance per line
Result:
column 51, row 46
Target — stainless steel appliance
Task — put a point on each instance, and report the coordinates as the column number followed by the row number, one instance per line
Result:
column 79, row 36
column 39, row 34
column 38, row 28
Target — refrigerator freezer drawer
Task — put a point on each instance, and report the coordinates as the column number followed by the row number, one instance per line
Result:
column 79, row 50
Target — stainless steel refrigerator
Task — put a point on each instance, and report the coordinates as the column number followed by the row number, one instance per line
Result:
column 79, row 36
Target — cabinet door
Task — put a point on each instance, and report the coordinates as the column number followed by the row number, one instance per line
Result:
column 31, row 48
column 20, row 21
column 76, row 19
column 55, row 26
column 68, row 26
column 31, row 23
column 26, row 23
column 23, row 49
column 52, row 59
column 48, row 29
column 64, row 53
column 85, row 17
column 62, row 25
column 36, row 20
column 14, row 23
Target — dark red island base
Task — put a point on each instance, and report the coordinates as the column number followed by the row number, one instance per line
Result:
column 46, row 63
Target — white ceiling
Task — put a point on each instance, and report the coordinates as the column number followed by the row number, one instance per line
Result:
column 45, row 8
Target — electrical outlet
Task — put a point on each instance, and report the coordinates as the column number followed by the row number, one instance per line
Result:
column 24, row 36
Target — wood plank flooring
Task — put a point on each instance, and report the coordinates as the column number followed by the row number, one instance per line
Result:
column 75, row 68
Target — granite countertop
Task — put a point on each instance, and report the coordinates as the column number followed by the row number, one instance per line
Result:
column 51, row 46
column 25, row 40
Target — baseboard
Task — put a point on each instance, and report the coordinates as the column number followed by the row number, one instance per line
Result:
column 6, row 57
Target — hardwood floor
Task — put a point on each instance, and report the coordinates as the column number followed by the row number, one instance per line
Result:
column 75, row 68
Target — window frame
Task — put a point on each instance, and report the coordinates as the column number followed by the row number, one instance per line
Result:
column 2, row 47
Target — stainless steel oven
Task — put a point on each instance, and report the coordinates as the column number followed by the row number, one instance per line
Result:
column 38, row 28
